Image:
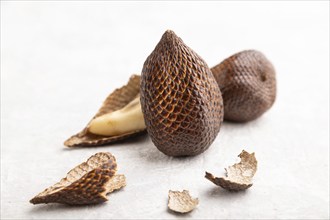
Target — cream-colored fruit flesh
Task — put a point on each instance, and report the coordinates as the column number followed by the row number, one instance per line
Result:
column 128, row 119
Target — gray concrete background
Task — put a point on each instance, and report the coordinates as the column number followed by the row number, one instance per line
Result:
column 59, row 60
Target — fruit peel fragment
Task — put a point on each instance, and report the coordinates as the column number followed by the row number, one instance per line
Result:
column 115, row 101
column 239, row 176
column 117, row 182
column 87, row 183
column 181, row 202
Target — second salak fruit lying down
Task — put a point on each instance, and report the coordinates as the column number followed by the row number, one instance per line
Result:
column 248, row 84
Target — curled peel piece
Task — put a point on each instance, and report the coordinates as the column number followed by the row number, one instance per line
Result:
column 181, row 202
column 116, row 101
column 239, row 176
column 87, row 183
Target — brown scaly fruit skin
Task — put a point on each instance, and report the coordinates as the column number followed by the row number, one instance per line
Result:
column 87, row 189
column 180, row 99
column 227, row 184
column 248, row 85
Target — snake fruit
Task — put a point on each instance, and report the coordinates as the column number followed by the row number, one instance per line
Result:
column 180, row 99
column 248, row 85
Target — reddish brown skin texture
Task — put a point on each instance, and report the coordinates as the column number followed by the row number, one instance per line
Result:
column 248, row 85
column 180, row 99
column 86, row 190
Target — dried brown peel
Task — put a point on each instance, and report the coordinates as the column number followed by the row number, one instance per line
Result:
column 87, row 183
column 115, row 101
column 239, row 176
column 117, row 182
column 181, row 202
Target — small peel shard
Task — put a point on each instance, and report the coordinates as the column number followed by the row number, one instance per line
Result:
column 239, row 176
column 181, row 202
column 87, row 183
column 114, row 102
column 117, row 182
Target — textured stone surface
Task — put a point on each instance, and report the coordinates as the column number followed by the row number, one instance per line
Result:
column 58, row 56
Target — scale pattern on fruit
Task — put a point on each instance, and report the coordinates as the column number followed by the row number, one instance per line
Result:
column 248, row 85
column 180, row 99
